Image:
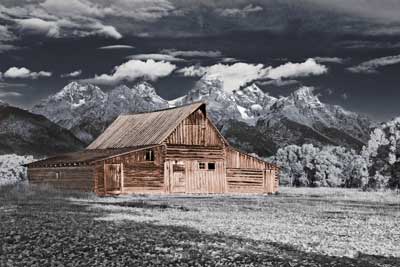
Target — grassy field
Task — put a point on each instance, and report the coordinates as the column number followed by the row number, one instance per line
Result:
column 297, row 227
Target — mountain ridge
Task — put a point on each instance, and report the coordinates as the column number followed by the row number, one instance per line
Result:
column 25, row 133
column 301, row 117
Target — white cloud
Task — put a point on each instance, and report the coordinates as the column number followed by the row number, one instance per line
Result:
column 229, row 60
column 193, row 71
column 372, row 66
column 109, row 47
column 233, row 76
column 9, row 94
column 239, row 74
column 24, row 73
column 337, row 60
column 149, row 10
column 244, row 12
column 8, row 85
column 279, row 82
column 307, row 68
column 65, row 27
column 134, row 69
column 39, row 26
column 158, row 57
column 193, row 53
column 358, row 44
column 72, row 74
column 107, row 31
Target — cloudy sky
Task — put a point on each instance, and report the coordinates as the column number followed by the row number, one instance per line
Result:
column 348, row 49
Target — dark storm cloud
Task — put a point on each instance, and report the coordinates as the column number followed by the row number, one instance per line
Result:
column 54, row 18
column 63, row 37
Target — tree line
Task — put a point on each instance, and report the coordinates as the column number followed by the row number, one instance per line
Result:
column 376, row 166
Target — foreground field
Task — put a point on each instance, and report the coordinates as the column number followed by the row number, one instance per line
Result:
column 298, row 227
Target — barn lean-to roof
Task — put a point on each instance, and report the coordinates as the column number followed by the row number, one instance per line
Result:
column 144, row 128
column 86, row 156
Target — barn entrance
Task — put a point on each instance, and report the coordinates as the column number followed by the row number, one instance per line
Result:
column 113, row 178
column 269, row 180
column 195, row 176
column 177, row 177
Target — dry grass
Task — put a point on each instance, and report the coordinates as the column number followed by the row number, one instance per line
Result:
column 297, row 225
column 345, row 194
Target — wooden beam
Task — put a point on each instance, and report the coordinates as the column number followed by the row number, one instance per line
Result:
column 104, row 178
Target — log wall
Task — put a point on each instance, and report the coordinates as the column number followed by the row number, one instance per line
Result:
column 68, row 178
column 139, row 175
column 247, row 174
column 237, row 159
column 241, row 180
column 195, row 130
column 179, row 152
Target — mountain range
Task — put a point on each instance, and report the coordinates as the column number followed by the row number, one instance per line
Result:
column 248, row 118
column 25, row 133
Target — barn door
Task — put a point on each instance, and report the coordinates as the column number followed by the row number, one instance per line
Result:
column 268, row 181
column 177, row 176
column 113, row 178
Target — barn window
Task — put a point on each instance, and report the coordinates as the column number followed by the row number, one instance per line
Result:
column 211, row 166
column 58, row 175
column 149, row 155
column 202, row 165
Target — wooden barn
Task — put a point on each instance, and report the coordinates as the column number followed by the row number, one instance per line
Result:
column 175, row 150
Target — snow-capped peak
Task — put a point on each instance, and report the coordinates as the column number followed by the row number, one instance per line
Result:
column 305, row 95
column 75, row 92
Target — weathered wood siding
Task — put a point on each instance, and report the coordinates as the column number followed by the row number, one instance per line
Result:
column 178, row 152
column 195, row 130
column 196, row 180
column 139, row 175
column 247, row 174
column 68, row 178
column 242, row 180
column 236, row 159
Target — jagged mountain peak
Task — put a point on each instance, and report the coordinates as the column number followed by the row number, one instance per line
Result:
column 303, row 96
column 86, row 110
column 75, row 90
column 275, row 122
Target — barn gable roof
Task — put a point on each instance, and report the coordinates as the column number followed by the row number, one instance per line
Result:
column 144, row 128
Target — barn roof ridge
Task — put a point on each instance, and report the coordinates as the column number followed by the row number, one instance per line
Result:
column 166, row 109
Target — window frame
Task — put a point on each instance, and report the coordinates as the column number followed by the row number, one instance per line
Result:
column 149, row 155
column 202, row 164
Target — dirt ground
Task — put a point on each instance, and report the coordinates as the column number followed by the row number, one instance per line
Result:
column 298, row 227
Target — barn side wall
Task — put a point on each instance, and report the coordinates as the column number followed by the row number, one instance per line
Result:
column 247, row 174
column 139, row 175
column 67, row 178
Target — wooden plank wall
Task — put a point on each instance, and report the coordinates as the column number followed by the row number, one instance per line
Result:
column 196, row 129
column 242, row 180
column 198, row 180
column 178, row 152
column 68, row 178
column 201, row 180
column 139, row 175
column 247, row 174
column 236, row 159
